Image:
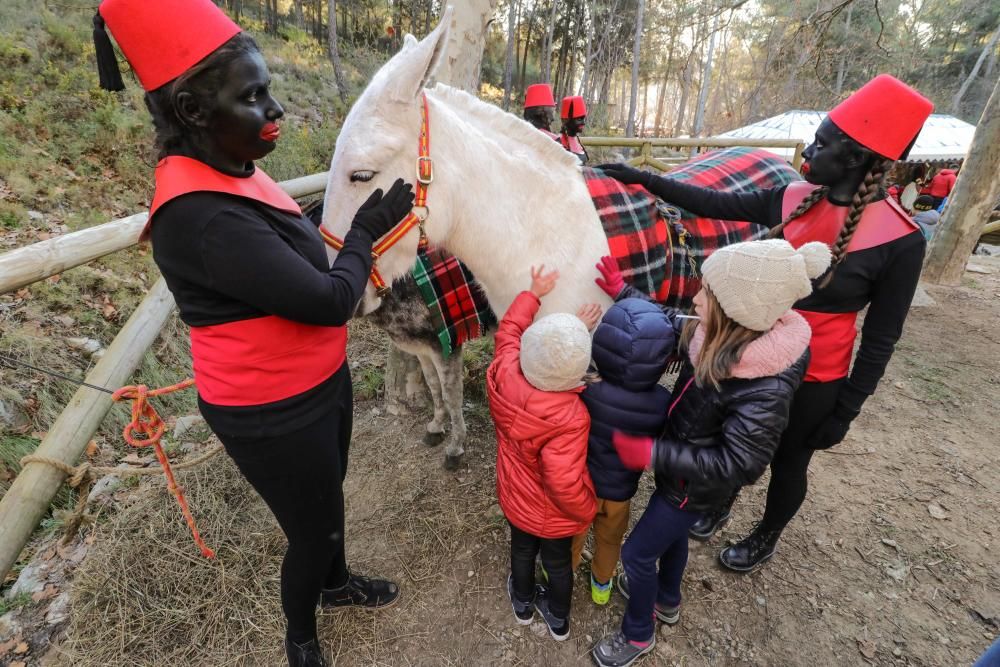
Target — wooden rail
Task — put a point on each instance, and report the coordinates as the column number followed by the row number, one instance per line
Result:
column 46, row 258
column 646, row 146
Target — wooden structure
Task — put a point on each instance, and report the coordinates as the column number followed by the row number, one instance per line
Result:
column 690, row 146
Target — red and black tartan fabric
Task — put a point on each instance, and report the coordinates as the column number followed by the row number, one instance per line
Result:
column 660, row 248
column 458, row 307
column 694, row 239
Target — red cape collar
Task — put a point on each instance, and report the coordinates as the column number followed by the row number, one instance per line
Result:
column 178, row 175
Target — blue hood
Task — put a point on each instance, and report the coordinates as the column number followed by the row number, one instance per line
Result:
column 632, row 344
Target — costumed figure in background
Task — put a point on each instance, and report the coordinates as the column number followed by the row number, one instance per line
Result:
column 574, row 117
column 540, row 107
column 251, row 278
column 877, row 256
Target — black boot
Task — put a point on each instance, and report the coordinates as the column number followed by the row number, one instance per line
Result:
column 309, row 654
column 752, row 551
column 710, row 522
column 359, row 591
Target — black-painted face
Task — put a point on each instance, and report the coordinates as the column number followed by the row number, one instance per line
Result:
column 243, row 124
column 574, row 126
column 832, row 157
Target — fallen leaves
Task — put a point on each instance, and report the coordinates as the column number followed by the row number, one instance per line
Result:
column 92, row 449
column 50, row 591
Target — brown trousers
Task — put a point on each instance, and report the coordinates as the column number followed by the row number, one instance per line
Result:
column 609, row 526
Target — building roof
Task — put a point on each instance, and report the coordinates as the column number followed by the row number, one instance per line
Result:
column 944, row 137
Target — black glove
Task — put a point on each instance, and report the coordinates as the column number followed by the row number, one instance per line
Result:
column 829, row 432
column 379, row 213
column 626, row 174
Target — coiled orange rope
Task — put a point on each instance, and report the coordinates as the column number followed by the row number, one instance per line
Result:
column 145, row 430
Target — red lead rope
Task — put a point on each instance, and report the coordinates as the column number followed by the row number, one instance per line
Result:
column 145, row 430
column 425, row 176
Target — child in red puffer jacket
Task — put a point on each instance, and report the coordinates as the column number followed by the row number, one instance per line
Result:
column 545, row 491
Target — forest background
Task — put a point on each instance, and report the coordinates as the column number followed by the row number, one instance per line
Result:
column 698, row 67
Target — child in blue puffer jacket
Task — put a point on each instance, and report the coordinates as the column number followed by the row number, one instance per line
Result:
column 631, row 348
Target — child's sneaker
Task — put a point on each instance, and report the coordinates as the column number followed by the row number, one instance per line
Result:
column 523, row 611
column 668, row 615
column 600, row 593
column 617, row 651
column 558, row 627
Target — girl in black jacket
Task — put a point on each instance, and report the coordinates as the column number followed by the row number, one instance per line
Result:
column 745, row 359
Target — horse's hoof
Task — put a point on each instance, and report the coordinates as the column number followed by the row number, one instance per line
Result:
column 452, row 461
column 432, row 439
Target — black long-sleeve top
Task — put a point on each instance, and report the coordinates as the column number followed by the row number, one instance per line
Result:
column 227, row 258
column 883, row 277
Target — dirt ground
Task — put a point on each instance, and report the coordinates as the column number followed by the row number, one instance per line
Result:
column 890, row 561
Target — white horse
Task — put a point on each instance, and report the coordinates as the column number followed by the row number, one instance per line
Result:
column 504, row 196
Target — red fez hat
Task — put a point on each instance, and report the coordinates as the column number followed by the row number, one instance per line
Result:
column 539, row 95
column 163, row 39
column 573, row 107
column 884, row 115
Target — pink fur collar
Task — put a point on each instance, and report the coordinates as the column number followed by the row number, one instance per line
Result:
column 770, row 354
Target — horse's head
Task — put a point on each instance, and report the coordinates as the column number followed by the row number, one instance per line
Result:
column 378, row 144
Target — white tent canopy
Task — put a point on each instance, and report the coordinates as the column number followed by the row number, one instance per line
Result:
column 944, row 137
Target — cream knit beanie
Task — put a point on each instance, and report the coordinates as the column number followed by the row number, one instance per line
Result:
column 758, row 281
column 555, row 352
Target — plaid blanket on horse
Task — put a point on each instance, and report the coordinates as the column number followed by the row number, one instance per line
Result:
column 660, row 248
column 458, row 308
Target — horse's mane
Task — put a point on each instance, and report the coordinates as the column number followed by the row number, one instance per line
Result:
column 512, row 134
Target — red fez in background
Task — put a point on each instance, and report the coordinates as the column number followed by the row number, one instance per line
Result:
column 884, row 115
column 162, row 39
column 573, row 107
column 539, row 95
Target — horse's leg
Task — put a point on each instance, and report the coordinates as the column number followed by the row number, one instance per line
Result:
column 435, row 429
column 450, row 371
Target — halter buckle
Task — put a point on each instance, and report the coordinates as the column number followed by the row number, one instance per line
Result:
column 429, row 178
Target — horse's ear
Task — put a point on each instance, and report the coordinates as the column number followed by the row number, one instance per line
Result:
column 422, row 60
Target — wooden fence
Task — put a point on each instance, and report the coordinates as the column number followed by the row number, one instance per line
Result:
column 692, row 146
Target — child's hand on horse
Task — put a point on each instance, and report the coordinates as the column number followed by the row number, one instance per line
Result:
column 543, row 283
column 626, row 174
column 611, row 280
column 590, row 315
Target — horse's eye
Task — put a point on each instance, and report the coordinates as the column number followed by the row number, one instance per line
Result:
column 362, row 176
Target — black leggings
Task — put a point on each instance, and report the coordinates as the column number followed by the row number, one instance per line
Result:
column 813, row 402
column 557, row 557
column 300, row 477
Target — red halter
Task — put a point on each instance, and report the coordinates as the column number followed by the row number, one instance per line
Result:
column 425, row 176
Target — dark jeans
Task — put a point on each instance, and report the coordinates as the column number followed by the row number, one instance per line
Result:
column 557, row 556
column 813, row 402
column 661, row 535
column 300, row 477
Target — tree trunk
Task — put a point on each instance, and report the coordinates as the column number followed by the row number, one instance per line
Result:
column 590, row 49
column 842, row 68
column 547, row 49
column 522, row 84
column 338, row 72
column 685, row 91
column 636, row 48
column 461, row 64
column 298, row 14
column 706, row 80
column 971, row 201
column 956, row 101
column 508, row 66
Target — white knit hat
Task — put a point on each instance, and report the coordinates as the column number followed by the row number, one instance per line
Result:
column 555, row 352
column 758, row 281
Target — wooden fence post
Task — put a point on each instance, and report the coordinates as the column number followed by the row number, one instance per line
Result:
column 28, row 498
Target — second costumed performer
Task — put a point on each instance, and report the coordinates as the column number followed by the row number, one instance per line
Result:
column 877, row 256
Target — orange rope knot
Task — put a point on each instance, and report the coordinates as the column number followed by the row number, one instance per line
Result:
column 145, row 430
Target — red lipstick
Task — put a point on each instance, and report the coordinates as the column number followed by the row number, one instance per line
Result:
column 804, row 169
column 270, row 132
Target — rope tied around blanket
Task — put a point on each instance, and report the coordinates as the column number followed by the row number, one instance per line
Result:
column 145, row 429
